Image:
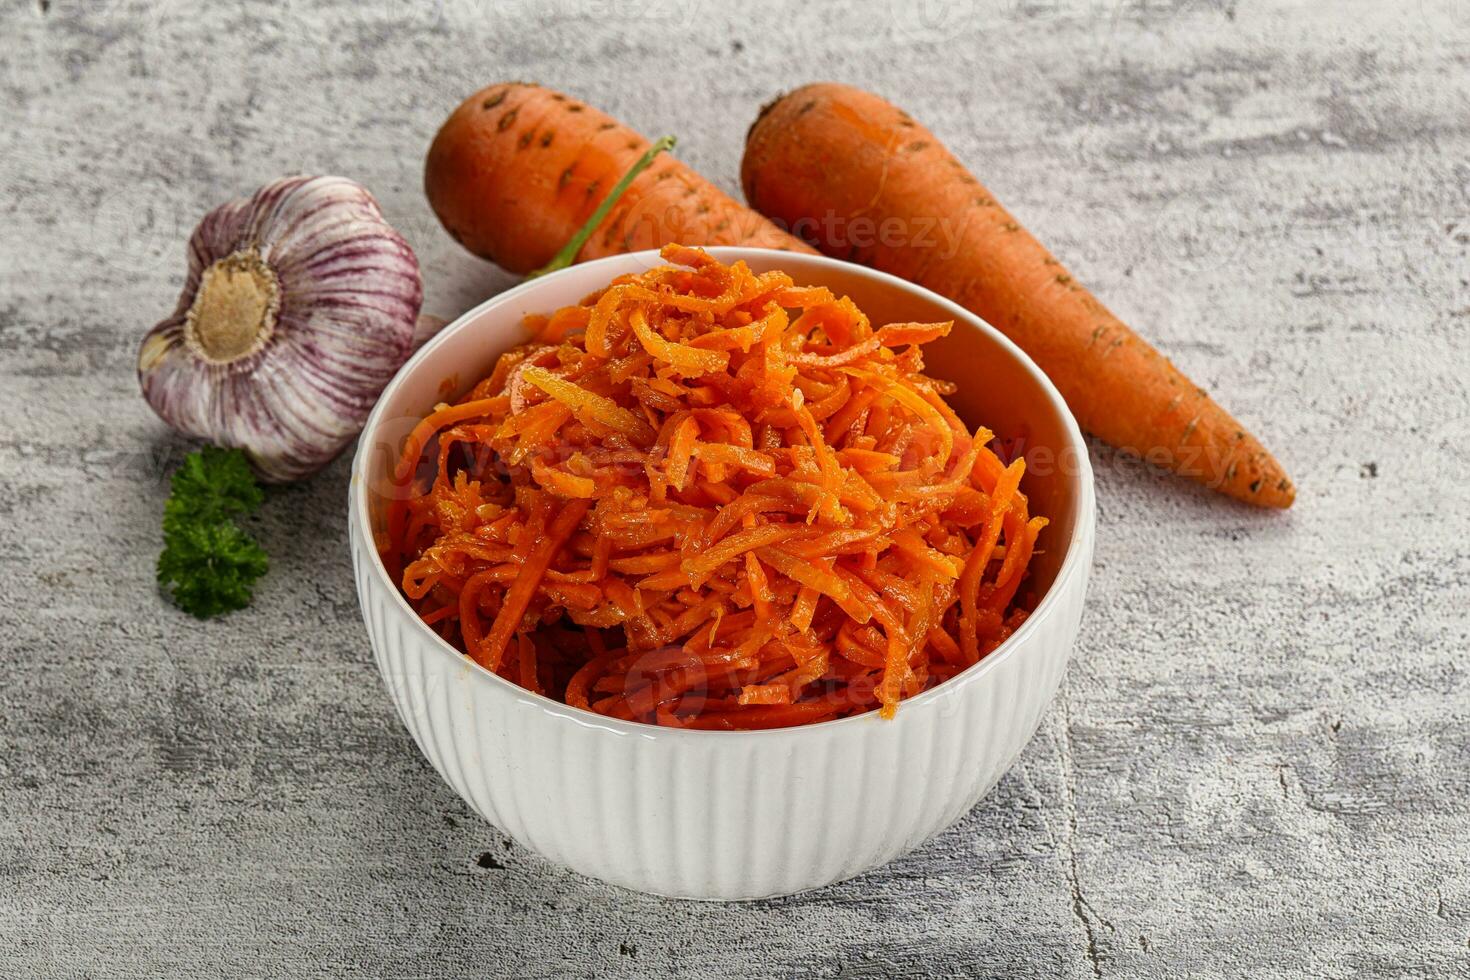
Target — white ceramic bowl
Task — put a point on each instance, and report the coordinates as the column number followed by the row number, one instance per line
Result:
column 732, row 815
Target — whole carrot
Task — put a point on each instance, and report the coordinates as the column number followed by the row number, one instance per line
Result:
column 835, row 163
column 518, row 169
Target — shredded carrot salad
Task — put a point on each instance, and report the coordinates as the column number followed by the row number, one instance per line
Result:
column 712, row 499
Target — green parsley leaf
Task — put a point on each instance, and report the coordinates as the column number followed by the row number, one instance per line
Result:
column 212, row 485
column 209, row 565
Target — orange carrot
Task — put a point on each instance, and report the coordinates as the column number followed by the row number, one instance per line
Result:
column 518, row 597
column 867, row 183
column 518, row 169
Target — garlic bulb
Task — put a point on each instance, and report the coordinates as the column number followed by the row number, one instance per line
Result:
column 299, row 306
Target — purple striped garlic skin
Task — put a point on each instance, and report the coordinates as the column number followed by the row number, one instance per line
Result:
column 299, row 306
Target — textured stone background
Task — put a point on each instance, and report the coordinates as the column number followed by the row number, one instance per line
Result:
column 1260, row 762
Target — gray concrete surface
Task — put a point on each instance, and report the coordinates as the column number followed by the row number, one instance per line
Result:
column 1260, row 761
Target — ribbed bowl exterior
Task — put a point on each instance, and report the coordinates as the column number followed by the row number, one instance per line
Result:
column 717, row 815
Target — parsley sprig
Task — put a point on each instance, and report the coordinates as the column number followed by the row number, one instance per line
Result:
column 208, row 564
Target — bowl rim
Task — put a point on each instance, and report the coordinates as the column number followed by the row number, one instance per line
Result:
column 1075, row 563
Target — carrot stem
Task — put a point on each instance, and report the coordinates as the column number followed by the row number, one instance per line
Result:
column 568, row 253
